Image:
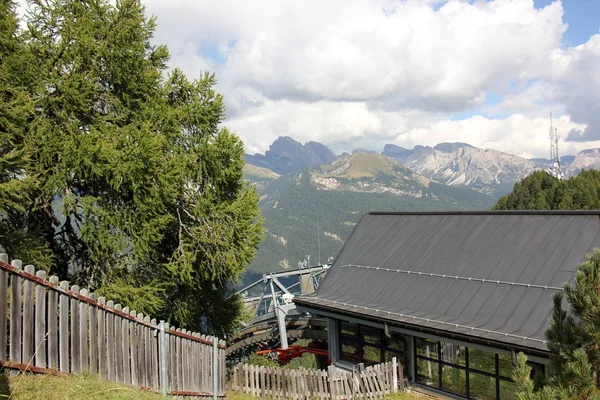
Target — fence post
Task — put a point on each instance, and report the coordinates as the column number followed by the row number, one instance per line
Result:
column 394, row 375
column 215, row 364
column 164, row 385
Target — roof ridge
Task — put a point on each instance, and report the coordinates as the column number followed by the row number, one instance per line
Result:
column 490, row 212
column 457, row 277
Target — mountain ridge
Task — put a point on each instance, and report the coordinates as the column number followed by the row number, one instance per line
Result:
column 454, row 163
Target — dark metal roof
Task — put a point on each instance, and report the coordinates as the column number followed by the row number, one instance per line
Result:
column 489, row 275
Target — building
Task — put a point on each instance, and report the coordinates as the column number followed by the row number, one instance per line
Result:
column 453, row 295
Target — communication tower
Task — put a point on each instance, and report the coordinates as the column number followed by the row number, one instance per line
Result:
column 554, row 157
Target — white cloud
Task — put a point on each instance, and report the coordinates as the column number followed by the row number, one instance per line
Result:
column 576, row 74
column 349, row 50
column 362, row 73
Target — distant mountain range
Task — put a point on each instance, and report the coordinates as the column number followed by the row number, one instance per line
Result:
column 457, row 164
column 311, row 198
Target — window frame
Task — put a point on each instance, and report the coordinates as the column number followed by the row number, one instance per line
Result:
column 467, row 368
column 382, row 346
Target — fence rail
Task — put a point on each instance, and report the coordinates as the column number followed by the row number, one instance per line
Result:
column 48, row 327
column 302, row 384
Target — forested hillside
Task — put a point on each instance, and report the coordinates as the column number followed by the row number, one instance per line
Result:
column 542, row 191
column 323, row 204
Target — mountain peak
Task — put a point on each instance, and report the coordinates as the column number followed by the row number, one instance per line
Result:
column 449, row 147
column 286, row 155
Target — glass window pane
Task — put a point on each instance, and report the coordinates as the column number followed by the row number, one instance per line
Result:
column 482, row 387
column 370, row 335
column 505, row 365
column 454, row 380
column 537, row 370
column 349, row 351
column 427, row 348
column 389, row 354
column 348, row 329
column 507, row 390
column 396, row 342
column 371, row 355
column 454, row 354
column 482, row 360
column 428, row 373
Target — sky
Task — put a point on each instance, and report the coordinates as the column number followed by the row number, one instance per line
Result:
column 364, row 73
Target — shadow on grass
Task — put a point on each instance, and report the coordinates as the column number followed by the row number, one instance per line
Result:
column 4, row 387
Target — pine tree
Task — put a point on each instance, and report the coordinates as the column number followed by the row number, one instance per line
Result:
column 16, row 108
column 139, row 192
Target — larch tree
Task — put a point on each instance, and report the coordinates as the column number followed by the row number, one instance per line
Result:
column 138, row 191
column 16, row 109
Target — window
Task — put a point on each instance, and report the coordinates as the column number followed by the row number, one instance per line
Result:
column 466, row 372
column 368, row 345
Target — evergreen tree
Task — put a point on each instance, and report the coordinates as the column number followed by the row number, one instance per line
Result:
column 542, row 191
column 137, row 191
column 16, row 108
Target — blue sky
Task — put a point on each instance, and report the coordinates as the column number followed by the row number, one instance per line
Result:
column 583, row 17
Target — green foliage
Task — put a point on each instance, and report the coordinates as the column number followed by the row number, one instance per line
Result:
column 576, row 381
column 262, row 361
column 542, row 191
column 573, row 339
column 130, row 185
column 16, row 109
column 577, row 330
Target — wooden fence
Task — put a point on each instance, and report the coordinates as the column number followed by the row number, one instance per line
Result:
column 369, row 383
column 47, row 327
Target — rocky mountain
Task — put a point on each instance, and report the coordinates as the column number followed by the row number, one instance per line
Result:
column 312, row 211
column 586, row 159
column 286, row 155
column 460, row 164
column 565, row 161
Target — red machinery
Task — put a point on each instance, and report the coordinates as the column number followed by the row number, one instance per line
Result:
column 285, row 355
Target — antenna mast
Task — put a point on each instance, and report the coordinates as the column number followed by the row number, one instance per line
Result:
column 555, row 169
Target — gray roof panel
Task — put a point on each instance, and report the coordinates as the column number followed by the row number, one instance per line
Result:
column 464, row 273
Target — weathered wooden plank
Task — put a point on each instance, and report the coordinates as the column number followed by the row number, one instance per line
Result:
column 134, row 350
column 53, row 325
column 110, row 341
column 102, row 353
column 169, row 357
column 84, row 362
column 16, row 322
column 40, row 322
column 147, row 353
column 28, row 317
column 63, row 328
column 3, row 309
column 203, row 367
column 177, row 348
column 193, row 348
column 141, row 352
column 118, row 345
column 93, row 332
column 126, row 348
column 154, row 338
column 75, row 359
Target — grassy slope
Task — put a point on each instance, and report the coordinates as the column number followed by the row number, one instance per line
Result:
column 252, row 171
column 46, row 387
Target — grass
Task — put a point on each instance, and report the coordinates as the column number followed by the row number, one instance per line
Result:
column 50, row 387
column 90, row 387
column 397, row 396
